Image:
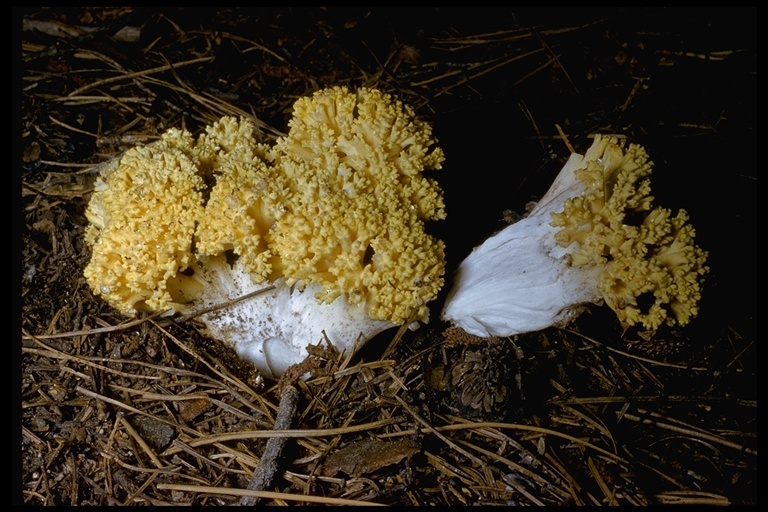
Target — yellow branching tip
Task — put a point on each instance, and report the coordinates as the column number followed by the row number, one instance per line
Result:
column 651, row 267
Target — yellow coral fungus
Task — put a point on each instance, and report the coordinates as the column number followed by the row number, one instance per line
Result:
column 332, row 216
column 356, row 162
column 142, row 220
column 594, row 237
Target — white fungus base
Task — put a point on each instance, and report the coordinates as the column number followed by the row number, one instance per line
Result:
column 519, row 279
column 273, row 329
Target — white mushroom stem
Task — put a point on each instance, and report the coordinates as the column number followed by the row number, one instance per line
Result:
column 520, row 280
column 273, row 329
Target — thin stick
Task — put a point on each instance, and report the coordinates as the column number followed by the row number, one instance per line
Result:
column 136, row 74
column 265, row 471
column 143, row 444
column 565, row 138
column 264, row 494
column 312, row 433
column 225, row 304
column 438, row 434
column 690, row 432
column 97, row 330
column 636, row 357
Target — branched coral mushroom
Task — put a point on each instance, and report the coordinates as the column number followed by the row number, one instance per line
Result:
column 594, row 237
column 333, row 216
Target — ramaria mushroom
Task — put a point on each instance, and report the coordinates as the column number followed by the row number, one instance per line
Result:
column 332, row 216
column 593, row 238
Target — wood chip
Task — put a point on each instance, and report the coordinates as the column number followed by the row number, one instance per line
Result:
column 365, row 456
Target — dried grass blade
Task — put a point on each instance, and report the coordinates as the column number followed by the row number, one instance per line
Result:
column 136, row 74
column 265, row 494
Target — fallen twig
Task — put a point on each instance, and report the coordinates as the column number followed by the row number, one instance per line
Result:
column 265, row 471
